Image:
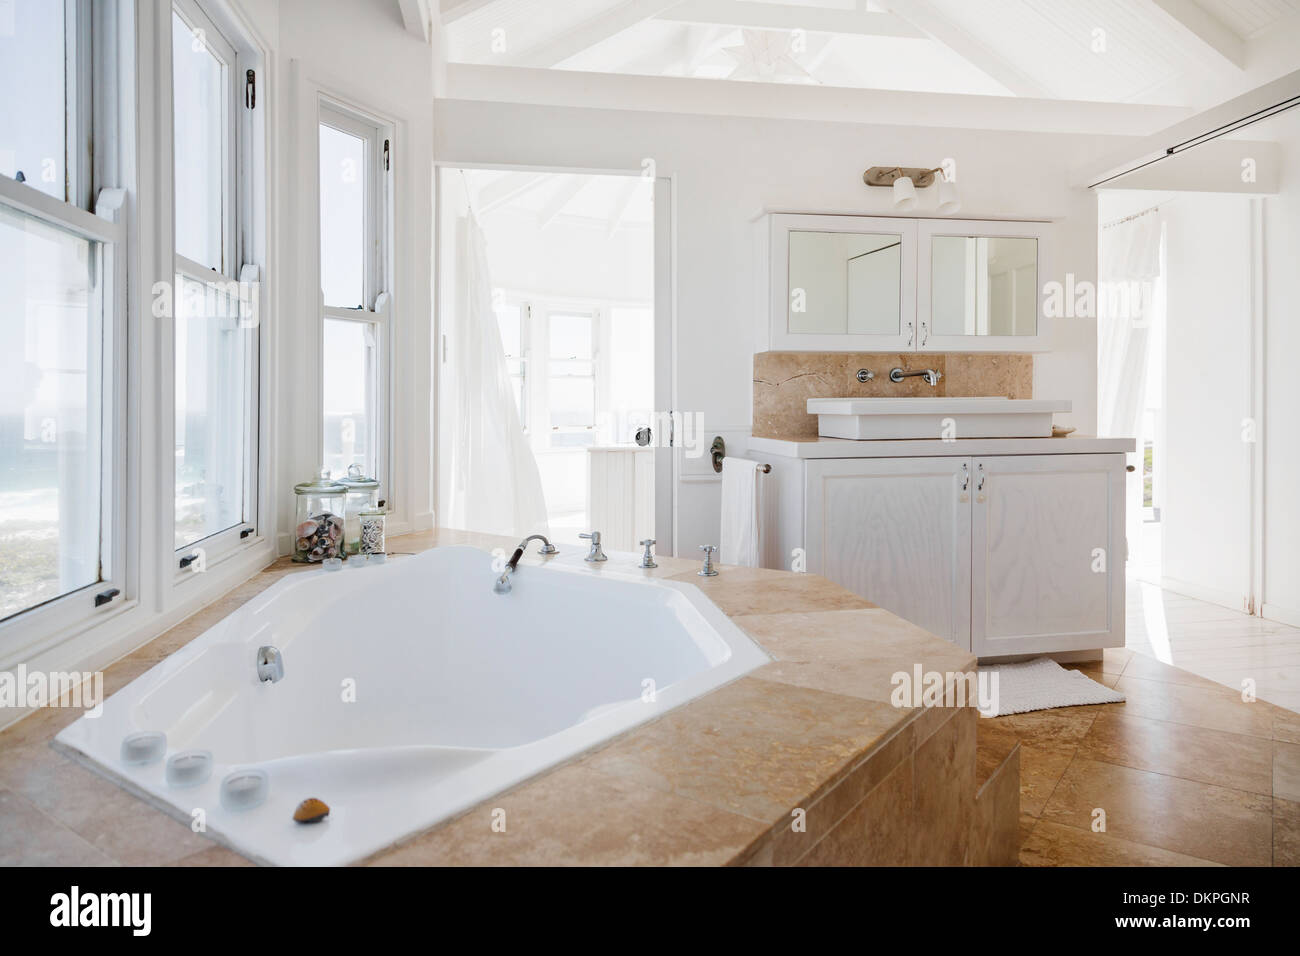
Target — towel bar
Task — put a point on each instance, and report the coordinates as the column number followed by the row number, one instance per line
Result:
column 718, row 451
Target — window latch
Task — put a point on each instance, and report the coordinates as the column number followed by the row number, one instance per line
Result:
column 250, row 89
column 189, row 559
column 103, row 597
column 246, row 532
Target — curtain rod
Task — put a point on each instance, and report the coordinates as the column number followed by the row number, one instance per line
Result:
column 1136, row 215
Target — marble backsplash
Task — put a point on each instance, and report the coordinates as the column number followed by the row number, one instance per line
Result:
column 784, row 381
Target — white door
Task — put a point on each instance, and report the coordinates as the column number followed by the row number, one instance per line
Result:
column 1047, row 553
column 897, row 532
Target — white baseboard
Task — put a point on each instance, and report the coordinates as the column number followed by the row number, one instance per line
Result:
column 1283, row 615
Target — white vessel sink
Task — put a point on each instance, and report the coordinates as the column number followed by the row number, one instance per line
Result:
column 867, row 418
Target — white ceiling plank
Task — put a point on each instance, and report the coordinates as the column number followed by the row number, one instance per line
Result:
column 560, row 201
column 924, row 17
column 416, row 17
column 624, row 203
column 587, row 34
column 1192, row 20
column 778, row 16
column 453, row 10
column 506, row 189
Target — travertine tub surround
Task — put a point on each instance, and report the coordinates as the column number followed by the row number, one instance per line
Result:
column 784, row 381
column 715, row 781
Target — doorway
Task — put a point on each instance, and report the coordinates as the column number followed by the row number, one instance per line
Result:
column 579, row 269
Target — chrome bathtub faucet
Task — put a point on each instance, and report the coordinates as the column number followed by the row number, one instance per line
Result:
column 647, row 559
column 708, row 571
column 595, row 554
column 502, row 585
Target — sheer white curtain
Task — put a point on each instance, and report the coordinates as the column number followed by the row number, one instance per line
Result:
column 1131, row 302
column 492, row 481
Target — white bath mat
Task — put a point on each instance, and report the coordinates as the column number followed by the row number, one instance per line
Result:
column 1039, row 684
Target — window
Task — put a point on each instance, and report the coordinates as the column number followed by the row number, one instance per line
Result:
column 354, row 196
column 571, row 378
column 33, row 59
column 215, row 327
column 62, row 311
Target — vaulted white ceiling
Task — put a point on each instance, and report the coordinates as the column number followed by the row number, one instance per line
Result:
column 1187, row 53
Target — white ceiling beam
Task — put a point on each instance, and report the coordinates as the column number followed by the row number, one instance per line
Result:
column 1192, row 20
column 799, row 101
column 453, row 10
column 590, row 32
column 625, row 199
column 924, row 17
column 417, row 18
column 506, row 189
column 560, row 201
column 784, row 16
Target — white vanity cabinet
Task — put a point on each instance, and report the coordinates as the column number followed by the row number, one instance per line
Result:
column 986, row 542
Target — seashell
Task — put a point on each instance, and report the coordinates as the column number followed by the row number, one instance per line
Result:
column 306, row 528
column 311, row 810
column 303, row 544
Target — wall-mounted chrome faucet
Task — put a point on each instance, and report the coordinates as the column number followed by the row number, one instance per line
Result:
column 930, row 375
column 502, row 585
column 595, row 554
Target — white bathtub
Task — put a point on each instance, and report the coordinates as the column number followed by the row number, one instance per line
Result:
column 459, row 692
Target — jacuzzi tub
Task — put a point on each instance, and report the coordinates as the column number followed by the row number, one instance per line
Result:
column 410, row 692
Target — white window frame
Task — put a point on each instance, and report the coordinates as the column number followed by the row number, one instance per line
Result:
column 88, row 65
column 239, row 169
column 376, row 311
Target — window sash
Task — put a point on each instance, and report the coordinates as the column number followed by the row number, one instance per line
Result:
column 236, row 223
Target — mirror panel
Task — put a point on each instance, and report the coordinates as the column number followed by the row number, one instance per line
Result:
column 843, row 282
column 983, row 285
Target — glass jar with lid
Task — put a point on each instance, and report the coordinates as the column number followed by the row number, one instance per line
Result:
column 318, row 532
column 362, row 496
column 372, row 523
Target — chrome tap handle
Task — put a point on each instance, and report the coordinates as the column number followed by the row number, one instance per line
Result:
column 595, row 554
column 708, row 571
column 647, row 559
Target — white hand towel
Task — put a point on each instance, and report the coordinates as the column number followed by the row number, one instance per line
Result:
column 741, row 530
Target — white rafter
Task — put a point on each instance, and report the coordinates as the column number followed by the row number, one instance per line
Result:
column 560, row 201
column 416, row 17
column 590, row 32
column 1194, row 21
column 785, row 16
column 924, row 17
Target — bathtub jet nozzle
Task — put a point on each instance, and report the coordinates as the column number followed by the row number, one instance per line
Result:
column 270, row 664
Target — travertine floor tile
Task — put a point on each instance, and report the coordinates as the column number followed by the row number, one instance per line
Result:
column 1180, row 750
column 1286, row 770
column 1286, row 832
column 1195, row 819
column 1051, row 844
column 1212, row 707
column 30, row 838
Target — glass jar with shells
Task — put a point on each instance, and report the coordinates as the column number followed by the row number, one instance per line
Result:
column 318, row 532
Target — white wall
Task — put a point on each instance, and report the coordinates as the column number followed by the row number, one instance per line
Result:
column 1206, row 465
column 359, row 52
column 727, row 171
column 1281, row 425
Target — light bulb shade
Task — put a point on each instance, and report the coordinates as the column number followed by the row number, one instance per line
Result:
column 949, row 202
column 904, row 194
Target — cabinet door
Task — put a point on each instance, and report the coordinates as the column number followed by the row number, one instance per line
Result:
column 1048, row 553
column 897, row 532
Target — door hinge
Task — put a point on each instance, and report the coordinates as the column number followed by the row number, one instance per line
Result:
column 387, row 161
column 672, row 429
column 250, row 90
